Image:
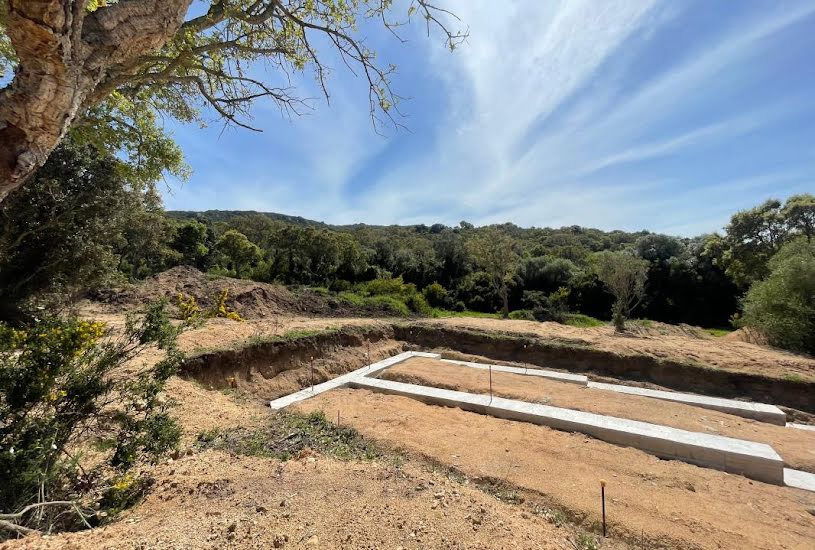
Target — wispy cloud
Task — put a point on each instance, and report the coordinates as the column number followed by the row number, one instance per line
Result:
column 622, row 113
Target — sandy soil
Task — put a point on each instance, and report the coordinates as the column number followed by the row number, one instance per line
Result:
column 796, row 447
column 665, row 502
column 214, row 500
column 665, row 341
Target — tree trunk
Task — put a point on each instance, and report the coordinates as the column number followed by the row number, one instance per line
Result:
column 505, row 298
column 64, row 54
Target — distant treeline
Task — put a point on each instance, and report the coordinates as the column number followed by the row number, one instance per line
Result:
column 80, row 224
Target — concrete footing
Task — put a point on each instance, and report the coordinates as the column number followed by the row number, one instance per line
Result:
column 757, row 411
column 578, row 379
column 755, row 460
column 799, row 479
column 342, row 381
column 807, row 427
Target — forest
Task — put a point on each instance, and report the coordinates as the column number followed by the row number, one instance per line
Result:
column 82, row 224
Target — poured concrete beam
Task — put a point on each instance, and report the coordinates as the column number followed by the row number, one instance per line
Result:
column 757, row 411
column 342, row 381
column 755, row 460
column 552, row 375
column 807, row 427
column 799, row 479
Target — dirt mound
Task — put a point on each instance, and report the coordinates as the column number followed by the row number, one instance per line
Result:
column 252, row 300
column 751, row 336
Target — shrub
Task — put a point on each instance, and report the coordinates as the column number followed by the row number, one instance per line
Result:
column 548, row 307
column 389, row 302
column 435, row 294
column 459, row 306
column 522, row 315
column 418, row 304
column 782, row 307
column 60, row 391
column 220, row 309
column 389, row 287
column 582, row 321
column 340, row 285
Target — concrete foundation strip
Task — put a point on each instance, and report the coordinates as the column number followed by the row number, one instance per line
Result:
column 757, row 411
column 755, row 460
column 578, row 379
column 342, row 381
column 762, row 412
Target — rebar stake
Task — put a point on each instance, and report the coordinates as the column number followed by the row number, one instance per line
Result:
column 490, row 384
column 603, row 498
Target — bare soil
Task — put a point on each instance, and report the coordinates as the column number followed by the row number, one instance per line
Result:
column 216, row 500
column 660, row 341
column 796, row 447
column 652, row 502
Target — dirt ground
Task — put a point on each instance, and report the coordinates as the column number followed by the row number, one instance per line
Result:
column 215, row 500
column 796, row 447
column 653, row 501
column 661, row 340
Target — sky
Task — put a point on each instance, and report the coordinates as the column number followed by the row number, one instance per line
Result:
column 622, row 114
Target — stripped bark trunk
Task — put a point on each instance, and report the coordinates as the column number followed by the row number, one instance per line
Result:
column 65, row 54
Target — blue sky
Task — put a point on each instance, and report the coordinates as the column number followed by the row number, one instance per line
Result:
column 659, row 115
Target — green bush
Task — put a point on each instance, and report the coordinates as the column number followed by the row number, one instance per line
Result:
column 582, row 321
column 548, row 307
column 782, row 307
column 60, row 390
column 522, row 315
column 418, row 304
column 395, row 305
column 351, row 298
column 435, row 294
column 340, row 285
column 389, row 287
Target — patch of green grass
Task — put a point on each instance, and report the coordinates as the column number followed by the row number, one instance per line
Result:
column 288, row 434
column 645, row 323
column 582, row 321
column 794, row 377
column 718, row 332
column 442, row 313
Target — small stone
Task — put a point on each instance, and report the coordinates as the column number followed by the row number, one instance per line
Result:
column 232, row 527
column 313, row 541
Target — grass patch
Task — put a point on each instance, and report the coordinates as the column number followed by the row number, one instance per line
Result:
column 718, row 332
column 443, row 313
column 289, row 434
column 582, row 321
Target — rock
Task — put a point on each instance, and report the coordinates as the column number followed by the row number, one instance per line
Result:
column 280, row 540
column 232, row 527
column 313, row 541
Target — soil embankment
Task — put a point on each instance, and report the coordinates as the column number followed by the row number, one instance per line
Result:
column 273, row 368
column 585, row 357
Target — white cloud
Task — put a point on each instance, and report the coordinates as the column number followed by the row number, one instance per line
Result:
column 502, row 157
column 539, row 122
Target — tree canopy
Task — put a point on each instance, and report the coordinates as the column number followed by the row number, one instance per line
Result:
column 106, row 68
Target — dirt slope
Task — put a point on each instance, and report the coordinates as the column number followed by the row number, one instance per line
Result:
column 661, row 341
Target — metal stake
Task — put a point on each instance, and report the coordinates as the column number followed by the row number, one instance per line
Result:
column 490, row 384
column 603, row 498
